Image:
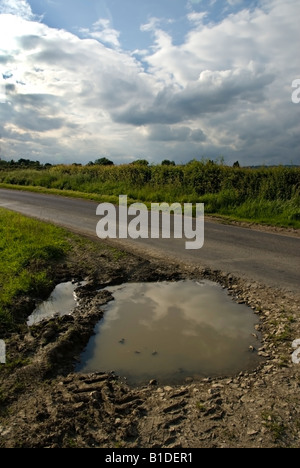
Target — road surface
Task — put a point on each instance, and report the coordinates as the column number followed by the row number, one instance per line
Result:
column 268, row 258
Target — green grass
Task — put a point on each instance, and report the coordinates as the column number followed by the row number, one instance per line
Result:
column 67, row 193
column 265, row 195
column 27, row 248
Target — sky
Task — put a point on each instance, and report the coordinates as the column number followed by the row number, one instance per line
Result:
column 149, row 79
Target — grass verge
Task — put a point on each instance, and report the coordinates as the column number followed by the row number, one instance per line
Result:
column 28, row 250
column 280, row 213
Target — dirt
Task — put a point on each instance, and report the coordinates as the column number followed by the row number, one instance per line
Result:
column 43, row 403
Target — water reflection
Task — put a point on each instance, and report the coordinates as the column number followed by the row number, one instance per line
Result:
column 62, row 301
column 169, row 331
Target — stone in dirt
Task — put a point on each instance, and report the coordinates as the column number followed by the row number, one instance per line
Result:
column 153, row 382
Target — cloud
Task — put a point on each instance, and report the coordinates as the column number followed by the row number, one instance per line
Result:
column 213, row 92
column 70, row 86
column 103, row 32
column 225, row 90
column 152, row 25
column 178, row 133
column 16, row 7
column 234, row 2
column 197, row 17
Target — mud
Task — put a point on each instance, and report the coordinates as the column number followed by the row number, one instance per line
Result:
column 43, row 403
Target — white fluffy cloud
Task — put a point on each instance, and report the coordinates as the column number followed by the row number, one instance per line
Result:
column 226, row 90
column 16, row 7
column 103, row 32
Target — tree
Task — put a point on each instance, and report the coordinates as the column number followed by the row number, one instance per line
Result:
column 103, row 162
column 236, row 164
column 166, row 162
column 27, row 163
column 140, row 162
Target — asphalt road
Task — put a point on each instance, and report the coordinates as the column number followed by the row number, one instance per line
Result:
column 268, row 258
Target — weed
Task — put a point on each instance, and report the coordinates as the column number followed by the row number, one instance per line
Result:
column 117, row 254
column 10, row 366
column 276, row 427
column 119, row 444
column 285, row 335
column 71, row 443
column 200, row 407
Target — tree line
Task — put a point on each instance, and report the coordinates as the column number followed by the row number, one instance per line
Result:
column 27, row 163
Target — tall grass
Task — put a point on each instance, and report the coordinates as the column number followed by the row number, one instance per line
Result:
column 27, row 249
column 267, row 195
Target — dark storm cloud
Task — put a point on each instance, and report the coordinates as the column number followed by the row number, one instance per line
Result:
column 47, row 102
column 196, row 100
column 180, row 134
column 36, row 122
column 33, row 112
column 198, row 136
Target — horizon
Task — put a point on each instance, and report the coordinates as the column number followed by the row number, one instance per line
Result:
column 216, row 161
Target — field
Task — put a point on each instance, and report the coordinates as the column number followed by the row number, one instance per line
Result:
column 260, row 195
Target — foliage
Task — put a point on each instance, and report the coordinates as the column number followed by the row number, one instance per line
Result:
column 266, row 194
column 103, row 162
column 140, row 162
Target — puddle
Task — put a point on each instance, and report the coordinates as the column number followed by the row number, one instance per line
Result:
column 171, row 331
column 62, row 301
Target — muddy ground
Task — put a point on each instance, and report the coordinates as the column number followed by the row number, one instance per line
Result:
column 43, row 403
